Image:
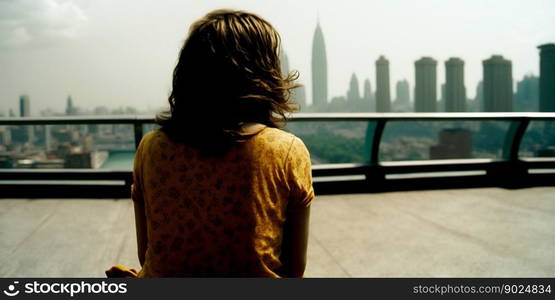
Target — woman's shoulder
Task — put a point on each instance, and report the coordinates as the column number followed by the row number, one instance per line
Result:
column 281, row 139
column 155, row 137
column 274, row 136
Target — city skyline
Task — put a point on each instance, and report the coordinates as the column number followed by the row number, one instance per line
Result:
column 108, row 55
column 524, row 98
column 497, row 94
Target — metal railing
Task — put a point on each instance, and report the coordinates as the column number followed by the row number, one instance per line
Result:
column 509, row 171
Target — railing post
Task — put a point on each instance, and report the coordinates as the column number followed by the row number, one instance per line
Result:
column 513, row 138
column 375, row 150
column 374, row 174
column 511, row 172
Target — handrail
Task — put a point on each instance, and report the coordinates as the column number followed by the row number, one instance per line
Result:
column 510, row 149
column 508, row 165
column 420, row 116
column 131, row 119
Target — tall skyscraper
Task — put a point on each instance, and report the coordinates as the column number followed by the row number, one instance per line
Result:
column 455, row 92
column 383, row 98
column 425, row 87
column 319, row 69
column 367, row 97
column 24, row 106
column 547, row 77
column 353, row 94
column 498, row 84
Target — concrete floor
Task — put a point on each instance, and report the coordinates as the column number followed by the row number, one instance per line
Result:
column 487, row 232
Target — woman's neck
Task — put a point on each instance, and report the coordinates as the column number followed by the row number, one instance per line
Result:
column 251, row 128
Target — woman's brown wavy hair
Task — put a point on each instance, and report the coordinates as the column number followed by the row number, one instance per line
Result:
column 228, row 74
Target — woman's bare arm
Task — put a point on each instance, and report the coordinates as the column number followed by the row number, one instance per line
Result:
column 140, row 226
column 295, row 242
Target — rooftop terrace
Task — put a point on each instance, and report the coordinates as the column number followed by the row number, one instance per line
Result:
column 479, row 232
column 399, row 195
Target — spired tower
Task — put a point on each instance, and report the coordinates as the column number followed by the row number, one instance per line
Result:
column 498, row 84
column 455, row 92
column 383, row 98
column 319, row 69
column 425, row 87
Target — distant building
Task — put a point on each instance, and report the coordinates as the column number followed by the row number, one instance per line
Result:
column 527, row 94
column 65, row 136
column 24, row 106
column 453, row 143
column 299, row 95
column 440, row 107
column 547, row 77
column 425, row 88
column 85, row 160
column 319, row 69
column 367, row 97
column 70, row 109
column 5, row 136
column 47, row 138
column 402, row 100
column 455, row 92
column 403, row 92
column 498, row 84
column 478, row 103
column 337, row 104
column 101, row 110
column 383, row 98
column 27, row 132
column 353, row 94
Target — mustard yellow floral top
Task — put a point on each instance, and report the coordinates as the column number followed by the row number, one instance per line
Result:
column 219, row 216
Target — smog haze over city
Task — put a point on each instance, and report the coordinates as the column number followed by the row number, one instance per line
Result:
column 121, row 53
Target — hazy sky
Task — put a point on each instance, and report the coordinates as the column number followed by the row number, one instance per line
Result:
column 121, row 52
